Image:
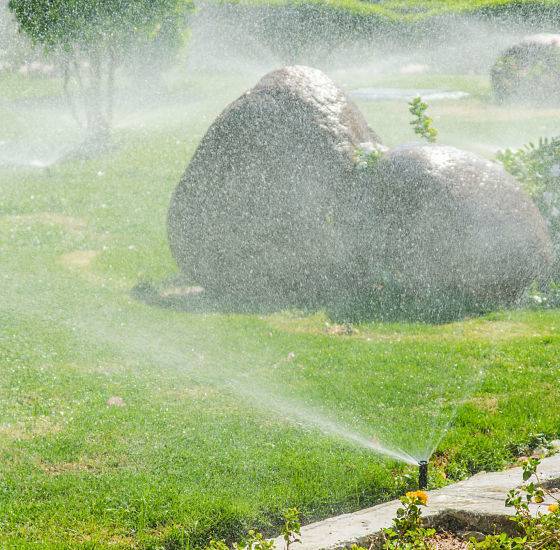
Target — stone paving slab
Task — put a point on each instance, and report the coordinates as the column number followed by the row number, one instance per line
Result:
column 477, row 502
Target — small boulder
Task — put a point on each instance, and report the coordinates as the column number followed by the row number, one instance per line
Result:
column 115, row 401
column 529, row 71
column 454, row 234
column 266, row 208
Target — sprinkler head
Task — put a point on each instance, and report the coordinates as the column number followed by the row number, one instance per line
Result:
column 423, row 474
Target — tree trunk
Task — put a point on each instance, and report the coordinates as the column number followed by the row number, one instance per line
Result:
column 67, row 67
column 111, row 67
column 98, row 126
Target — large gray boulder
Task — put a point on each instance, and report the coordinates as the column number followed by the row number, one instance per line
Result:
column 455, row 234
column 276, row 208
column 267, row 207
column 529, row 71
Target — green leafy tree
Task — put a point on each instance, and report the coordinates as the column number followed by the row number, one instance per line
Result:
column 91, row 38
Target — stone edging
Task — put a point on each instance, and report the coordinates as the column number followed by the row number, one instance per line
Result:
column 476, row 503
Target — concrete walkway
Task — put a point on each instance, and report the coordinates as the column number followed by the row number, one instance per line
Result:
column 474, row 504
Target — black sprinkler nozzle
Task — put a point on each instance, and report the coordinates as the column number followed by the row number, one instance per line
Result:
column 423, row 474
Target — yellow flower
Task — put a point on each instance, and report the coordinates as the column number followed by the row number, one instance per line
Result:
column 553, row 508
column 420, row 496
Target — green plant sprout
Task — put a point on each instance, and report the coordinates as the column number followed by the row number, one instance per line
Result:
column 408, row 530
column 421, row 122
column 535, row 531
column 367, row 160
column 291, row 530
column 254, row 540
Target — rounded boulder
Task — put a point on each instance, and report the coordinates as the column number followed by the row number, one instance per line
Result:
column 455, row 234
column 266, row 208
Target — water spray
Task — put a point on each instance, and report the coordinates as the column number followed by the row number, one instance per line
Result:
column 423, row 474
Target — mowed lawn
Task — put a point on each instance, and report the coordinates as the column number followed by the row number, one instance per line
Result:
column 127, row 425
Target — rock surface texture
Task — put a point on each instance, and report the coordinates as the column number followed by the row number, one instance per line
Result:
column 458, row 234
column 265, row 210
column 529, row 70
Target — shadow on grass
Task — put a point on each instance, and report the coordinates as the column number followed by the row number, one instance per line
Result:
column 354, row 305
column 179, row 294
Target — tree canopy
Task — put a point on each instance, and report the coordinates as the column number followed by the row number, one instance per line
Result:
column 92, row 38
column 90, row 23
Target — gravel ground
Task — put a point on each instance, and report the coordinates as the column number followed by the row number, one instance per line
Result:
column 448, row 541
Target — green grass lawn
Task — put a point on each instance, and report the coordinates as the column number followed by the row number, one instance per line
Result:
column 226, row 419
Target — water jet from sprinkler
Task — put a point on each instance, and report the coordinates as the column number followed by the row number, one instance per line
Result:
column 423, row 474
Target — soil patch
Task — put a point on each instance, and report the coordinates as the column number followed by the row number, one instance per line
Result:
column 71, row 224
column 79, row 259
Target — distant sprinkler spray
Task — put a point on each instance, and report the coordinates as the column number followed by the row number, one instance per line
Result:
column 423, row 474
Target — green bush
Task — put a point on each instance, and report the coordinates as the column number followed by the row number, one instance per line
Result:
column 537, row 168
column 300, row 30
column 528, row 71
